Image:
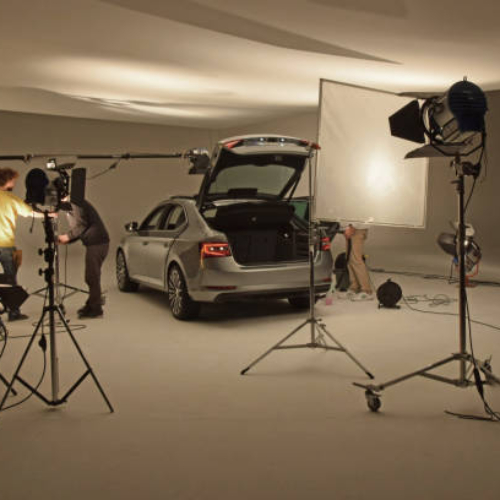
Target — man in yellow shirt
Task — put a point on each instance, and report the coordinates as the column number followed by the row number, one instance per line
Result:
column 11, row 206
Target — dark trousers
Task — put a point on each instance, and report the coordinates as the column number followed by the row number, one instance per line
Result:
column 9, row 266
column 94, row 258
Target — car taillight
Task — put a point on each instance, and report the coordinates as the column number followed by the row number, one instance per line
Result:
column 232, row 144
column 325, row 244
column 209, row 250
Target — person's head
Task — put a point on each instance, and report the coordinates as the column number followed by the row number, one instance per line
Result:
column 8, row 178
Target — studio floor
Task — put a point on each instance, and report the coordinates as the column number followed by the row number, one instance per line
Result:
column 188, row 426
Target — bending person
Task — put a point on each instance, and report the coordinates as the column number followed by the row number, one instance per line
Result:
column 86, row 225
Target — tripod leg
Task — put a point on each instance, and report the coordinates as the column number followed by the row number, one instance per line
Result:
column 262, row 356
column 84, row 359
column 23, row 358
column 6, row 383
column 485, row 368
column 325, row 331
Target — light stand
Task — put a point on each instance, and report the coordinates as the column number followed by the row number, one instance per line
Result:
column 317, row 328
column 57, row 281
column 467, row 363
column 52, row 310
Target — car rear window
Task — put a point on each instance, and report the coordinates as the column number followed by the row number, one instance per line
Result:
column 251, row 179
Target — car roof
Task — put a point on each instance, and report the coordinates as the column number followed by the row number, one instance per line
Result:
column 267, row 144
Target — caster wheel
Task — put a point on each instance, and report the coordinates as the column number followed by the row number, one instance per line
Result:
column 373, row 401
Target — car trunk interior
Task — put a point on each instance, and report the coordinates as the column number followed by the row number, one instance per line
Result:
column 262, row 232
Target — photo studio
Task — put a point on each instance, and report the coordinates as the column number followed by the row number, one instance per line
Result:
column 249, row 250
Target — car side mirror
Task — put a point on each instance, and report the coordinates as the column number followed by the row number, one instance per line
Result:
column 131, row 227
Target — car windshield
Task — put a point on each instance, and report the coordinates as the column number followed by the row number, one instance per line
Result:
column 252, row 180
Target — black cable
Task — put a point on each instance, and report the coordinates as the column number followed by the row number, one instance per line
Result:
column 430, row 276
column 105, row 171
column 470, row 195
column 43, row 345
column 42, row 376
column 4, row 335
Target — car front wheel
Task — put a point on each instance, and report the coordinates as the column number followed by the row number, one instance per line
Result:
column 125, row 284
column 181, row 304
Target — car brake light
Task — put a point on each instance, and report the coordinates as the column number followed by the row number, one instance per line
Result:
column 215, row 250
column 325, row 244
column 232, row 144
column 312, row 145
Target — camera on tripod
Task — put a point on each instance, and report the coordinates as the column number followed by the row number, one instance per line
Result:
column 48, row 193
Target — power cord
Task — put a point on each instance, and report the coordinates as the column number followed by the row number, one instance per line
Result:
column 43, row 345
column 4, row 335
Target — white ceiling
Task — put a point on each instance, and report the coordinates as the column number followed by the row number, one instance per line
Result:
column 219, row 63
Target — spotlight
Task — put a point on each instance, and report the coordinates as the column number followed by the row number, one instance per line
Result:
column 199, row 159
column 452, row 122
column 448, row 243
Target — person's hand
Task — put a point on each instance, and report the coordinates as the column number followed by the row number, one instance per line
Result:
column 349, row 231
column 63, row 239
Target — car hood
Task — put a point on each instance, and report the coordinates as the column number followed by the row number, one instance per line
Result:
column 268, row 174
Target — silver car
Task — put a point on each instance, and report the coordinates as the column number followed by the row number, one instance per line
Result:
column 238, row 239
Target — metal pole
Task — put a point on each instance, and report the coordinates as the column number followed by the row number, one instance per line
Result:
column 50, row 256
column 462, row 299
column 311, row 254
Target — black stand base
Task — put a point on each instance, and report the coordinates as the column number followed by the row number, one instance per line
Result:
column 317, row 341
column 467, row 364
column 41, row 292
column 51, row 310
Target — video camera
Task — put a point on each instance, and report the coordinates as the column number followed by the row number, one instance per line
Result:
column 48, row 193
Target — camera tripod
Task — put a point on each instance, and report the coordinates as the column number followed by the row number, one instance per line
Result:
column 470, row 368
column 319, row 333
column 52, row 310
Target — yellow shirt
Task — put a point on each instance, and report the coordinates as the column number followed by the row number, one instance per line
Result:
column 10, row 207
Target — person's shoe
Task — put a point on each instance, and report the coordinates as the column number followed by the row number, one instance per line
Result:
column 363, row 296
column 83, row 309
column 17, row 316
column 91, row 313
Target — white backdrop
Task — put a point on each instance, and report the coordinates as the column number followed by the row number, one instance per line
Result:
column 361, row 173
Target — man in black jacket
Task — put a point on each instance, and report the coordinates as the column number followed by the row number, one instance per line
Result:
column 86, row 225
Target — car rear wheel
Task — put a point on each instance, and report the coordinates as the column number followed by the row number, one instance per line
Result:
column 181, row 304
column 125, row 284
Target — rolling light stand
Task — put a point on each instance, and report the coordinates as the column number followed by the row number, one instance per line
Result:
column 318, row 330
column 52, row 310
column 468, row 365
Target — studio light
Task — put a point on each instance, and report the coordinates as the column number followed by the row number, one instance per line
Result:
column 451, row 123
column 448, row 243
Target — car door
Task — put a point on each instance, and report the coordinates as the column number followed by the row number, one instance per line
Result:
column 140, row 244
column 161, row 243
